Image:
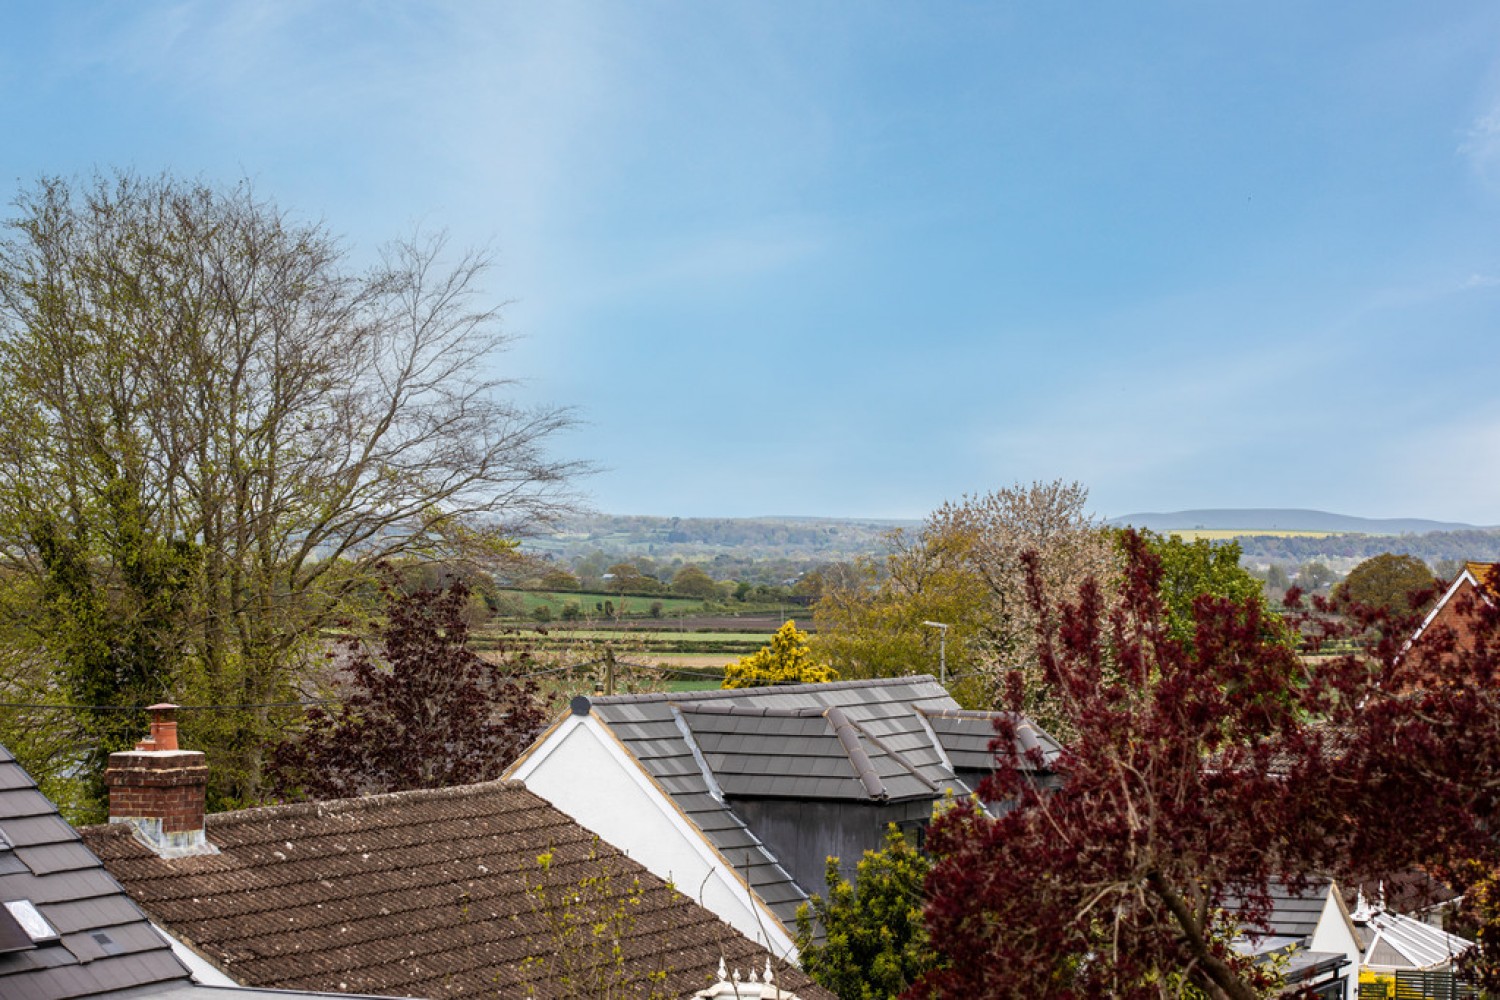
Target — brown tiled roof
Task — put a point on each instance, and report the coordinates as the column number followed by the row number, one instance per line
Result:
column 421, row 893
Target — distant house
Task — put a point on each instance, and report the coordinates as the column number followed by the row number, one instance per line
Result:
column 438, row 893
column 1311, row 934
column 1479, row 582
column 67, row 929
column 740, row 796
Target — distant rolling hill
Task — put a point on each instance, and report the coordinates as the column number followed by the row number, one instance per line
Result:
column 1251, row 519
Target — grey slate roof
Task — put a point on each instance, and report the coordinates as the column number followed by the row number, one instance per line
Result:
column 966, row 736
column 813, row 753
column 704, row 747
column 106, row 942
column 1293, row 915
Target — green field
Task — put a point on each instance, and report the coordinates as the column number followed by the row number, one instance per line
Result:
column 640, row 635
column 628, row 605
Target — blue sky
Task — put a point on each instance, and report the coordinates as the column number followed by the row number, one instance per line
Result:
column 857, row 259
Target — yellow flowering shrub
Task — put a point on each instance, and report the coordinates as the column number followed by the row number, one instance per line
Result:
column 786, row 659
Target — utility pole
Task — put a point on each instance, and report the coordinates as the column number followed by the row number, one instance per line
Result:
column 942, row 650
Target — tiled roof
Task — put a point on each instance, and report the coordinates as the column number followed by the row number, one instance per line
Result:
column 1292, row 915
column 966, row 736
column 1486, row 574
column 420, row 893
column 781, row 744
column 814, row 753
column 105, row 941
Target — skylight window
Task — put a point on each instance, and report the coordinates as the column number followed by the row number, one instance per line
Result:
column 24, row 914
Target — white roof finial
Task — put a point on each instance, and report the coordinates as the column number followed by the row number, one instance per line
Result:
column 769, row 978
column 1361, row 914
column 723, row 972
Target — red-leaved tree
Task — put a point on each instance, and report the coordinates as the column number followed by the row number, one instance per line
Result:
column 422, row 710
column 1200, row 773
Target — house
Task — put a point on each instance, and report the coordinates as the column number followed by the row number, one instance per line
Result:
column 1393, row 942
column 1478, row 582
column 1311, row 935
column 740, row 796
column 67, row 929
column 477, row 890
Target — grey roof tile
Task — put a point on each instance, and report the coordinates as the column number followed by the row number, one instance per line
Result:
column 46, row 829
column 774, row 742
column 49, row 858
column 20, row 802
column 50, row 866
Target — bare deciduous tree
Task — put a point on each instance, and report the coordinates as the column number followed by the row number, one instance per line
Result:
column 222, row 425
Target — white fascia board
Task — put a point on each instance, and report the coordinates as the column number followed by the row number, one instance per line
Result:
column 571, row 768
column 1464, row 577
column 204, row 972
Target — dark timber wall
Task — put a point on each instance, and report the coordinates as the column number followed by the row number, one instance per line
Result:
column 804, row 834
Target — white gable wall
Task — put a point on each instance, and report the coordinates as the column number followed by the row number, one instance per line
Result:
column 583, row 771
column 1335, row 933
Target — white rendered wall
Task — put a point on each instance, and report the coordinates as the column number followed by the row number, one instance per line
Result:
column 1334, row 933
column 582, row 771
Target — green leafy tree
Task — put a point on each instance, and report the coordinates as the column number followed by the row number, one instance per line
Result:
column 871, row 615
column 113, row 599
column 692, row 581
column 1315, row 576
column 558, row 579
column 1396, row 583
column 875, row 943
column 964, row 568
column 1190, row 570
column 626, row 578
column 786, row 659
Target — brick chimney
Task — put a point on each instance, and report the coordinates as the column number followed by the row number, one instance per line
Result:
column 158, row 789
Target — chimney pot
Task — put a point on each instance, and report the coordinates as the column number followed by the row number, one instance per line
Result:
column 163, row 734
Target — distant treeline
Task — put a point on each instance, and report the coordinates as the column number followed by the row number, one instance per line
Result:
column 699, row 538
column 1431, row 547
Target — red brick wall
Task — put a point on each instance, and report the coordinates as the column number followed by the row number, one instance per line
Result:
column 167, row 786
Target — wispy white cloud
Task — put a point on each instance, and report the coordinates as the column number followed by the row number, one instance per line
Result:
column 1480, row 145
